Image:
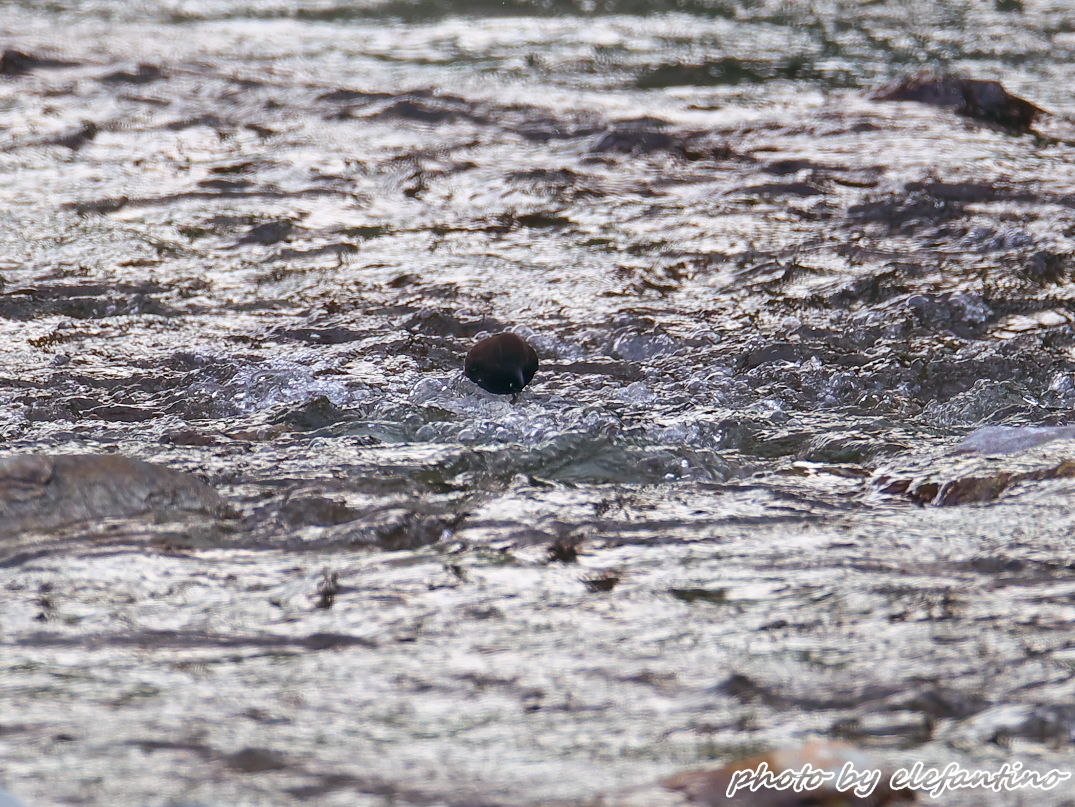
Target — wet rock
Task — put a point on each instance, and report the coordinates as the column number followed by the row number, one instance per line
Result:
column 441, row 323
column 332, row 335
column 271, row 232
column 344, row 96
column 399, row 530
column 143, row 74
column 121, row 413
column 800, row 189
column 790, row 166
column 82, row 301
column 563, row 550
column 18, row 63
column 190, row 437
column 640, row 136
column 944, row 704
column 76, row 139
column 905, row 211
column 651, row 136
column 327, row 589
column 430, row 110
column 601, row 583
column 255, row 760
column 39, row 492
column 225, row 185
column 538, row 220
column 1048, row 268
column 728, row 70
column 782, row 352
column 338, row 251
column 714, row 596
column 969, row 480
column 893, row 728
column 97, row 206
column 963, row 314
column 968, row 192
column 1044, row 724
column 311, row 415
column 986, row 101
column 316, row 511
column 541, row 127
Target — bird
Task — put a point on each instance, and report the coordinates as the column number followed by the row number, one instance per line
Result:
column 502, row 364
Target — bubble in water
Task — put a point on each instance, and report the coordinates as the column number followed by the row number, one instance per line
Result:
column 641, row 346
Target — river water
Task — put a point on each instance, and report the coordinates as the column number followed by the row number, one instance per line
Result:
column 793, row 466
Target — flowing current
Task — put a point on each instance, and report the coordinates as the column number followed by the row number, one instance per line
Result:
column 798, row 461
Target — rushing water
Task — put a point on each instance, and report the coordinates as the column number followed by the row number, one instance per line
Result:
column 797, row 462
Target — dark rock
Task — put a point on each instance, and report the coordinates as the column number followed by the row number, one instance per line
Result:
column 563, row 550
column 96, row 206
column 906, row 211
column 76, row 139
column 352, row 96
column 120, row 413
column 789, row 166
column 332, row 335
column 781, row 189
column 986, row 101
column 717, row 72
column 46, row 492
column 255, row 760
column 338, row 250
column 600, row 584
column 270, row 232
column 971, row 481
column 1047, row 268
column 314, row 414
column 715, row 596
column 190, row 437
column 18, row 63
column 967, row 192
column 143, row 74
column 429, row 110
column 225, row 185
column 626, row 139
column 945, row 704
column 316, row 511
column 439, row 323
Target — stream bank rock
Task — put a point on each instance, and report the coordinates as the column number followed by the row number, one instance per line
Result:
column 43, row 492
column 987, row 465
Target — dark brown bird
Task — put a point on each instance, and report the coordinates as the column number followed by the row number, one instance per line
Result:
column 502, row 364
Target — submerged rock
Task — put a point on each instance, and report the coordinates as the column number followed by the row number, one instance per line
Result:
column 986, row 101
column 43, row 492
